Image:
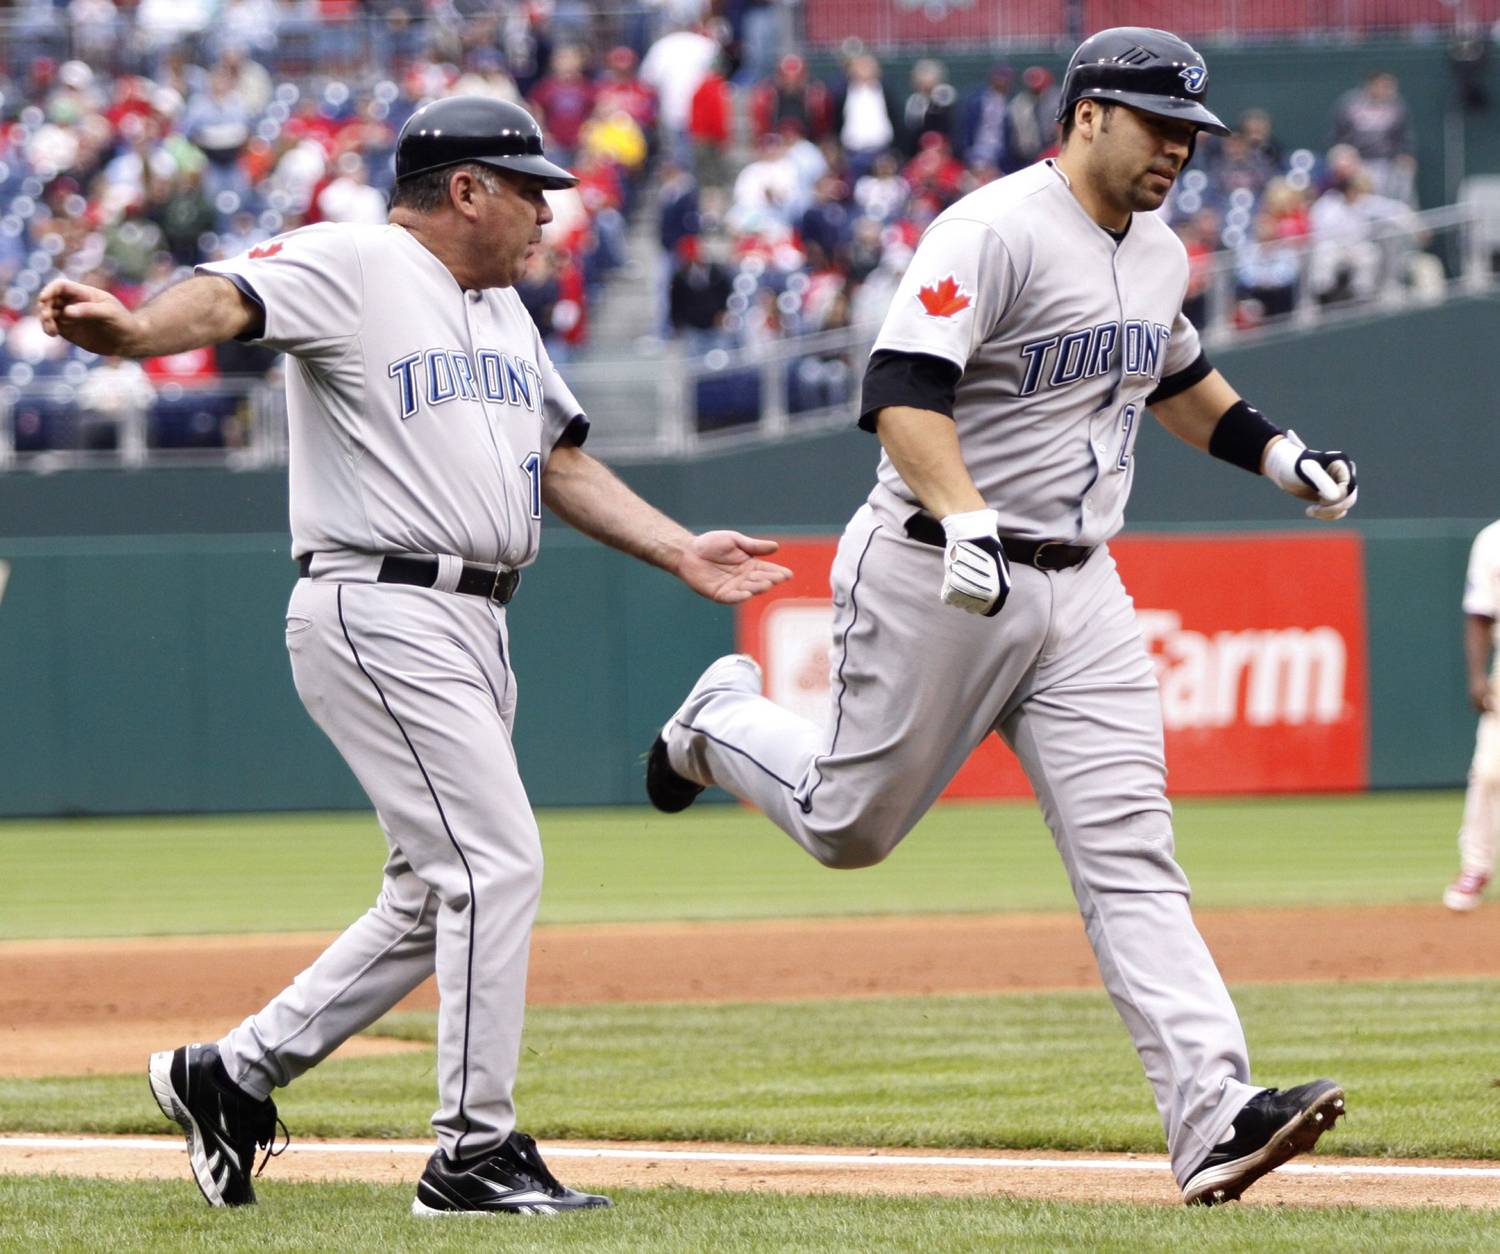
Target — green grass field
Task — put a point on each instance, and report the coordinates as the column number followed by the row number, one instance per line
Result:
column 102, row 1215
column 1045, row 1071
column 263, row 873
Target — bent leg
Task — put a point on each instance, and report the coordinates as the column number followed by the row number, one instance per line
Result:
column 915, row 686
column 1089, row 736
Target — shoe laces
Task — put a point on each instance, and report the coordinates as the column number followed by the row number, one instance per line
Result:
column 527, row 1152
column 268, row 1144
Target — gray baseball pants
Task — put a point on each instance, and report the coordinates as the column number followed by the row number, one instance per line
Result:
column 1063, row 676
column 414, row 689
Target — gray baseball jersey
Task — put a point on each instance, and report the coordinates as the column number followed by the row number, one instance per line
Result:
column 1061, row 332
column 421, row 418
column 1061, row 335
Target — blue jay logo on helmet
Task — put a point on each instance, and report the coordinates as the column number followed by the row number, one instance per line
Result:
column 1195, row 76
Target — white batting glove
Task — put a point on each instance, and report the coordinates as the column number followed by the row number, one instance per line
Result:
column 1326, row 479
column 976, row 576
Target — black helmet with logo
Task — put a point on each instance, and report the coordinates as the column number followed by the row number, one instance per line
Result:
column 1150, row 70
column 476, row 128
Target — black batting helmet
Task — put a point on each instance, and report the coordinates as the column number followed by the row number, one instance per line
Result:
column 1150, row 70
column 476, row 128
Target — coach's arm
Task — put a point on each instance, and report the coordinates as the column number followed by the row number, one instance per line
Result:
column 203, row 310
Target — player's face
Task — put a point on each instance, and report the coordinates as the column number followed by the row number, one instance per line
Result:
column 1138, row 157
column 512, row 218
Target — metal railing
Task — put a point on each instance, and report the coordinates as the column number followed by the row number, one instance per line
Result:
column 674, row 405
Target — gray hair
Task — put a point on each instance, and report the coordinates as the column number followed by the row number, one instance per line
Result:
column 427, row 192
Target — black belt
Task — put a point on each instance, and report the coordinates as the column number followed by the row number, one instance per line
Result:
column 1043, row 554
column 422, row 572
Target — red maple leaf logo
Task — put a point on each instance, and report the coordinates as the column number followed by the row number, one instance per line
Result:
column 945, row 298
column 264, row 250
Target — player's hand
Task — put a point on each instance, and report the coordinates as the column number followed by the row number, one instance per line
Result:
column 728, row 567
column 1481, row 696
column 1326, row 479
column 87, row 316
column 976, row 576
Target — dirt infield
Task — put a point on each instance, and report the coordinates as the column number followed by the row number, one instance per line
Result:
column 70, row 1007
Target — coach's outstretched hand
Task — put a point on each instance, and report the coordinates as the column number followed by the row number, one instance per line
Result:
column 727, row 567
column 87, row 316
column 1325, row 479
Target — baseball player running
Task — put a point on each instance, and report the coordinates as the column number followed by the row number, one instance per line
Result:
column 1479, row 836
column 974, row 592
column 427, row 429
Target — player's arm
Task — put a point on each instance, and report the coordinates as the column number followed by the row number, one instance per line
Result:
column 723, row 566
column 1478, row 632
column 206, row 309
column 908, row 399
column 1211, row 416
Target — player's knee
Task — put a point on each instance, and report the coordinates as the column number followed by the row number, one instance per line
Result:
column 855, row 842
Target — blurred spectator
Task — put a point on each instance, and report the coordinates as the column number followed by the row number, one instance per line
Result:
column 711, row 127
column 563, row 101
column 1033, row 118
column 112, row 402
column 790, row 96
column 486, row 75
column 1255, row 128
column 935, row 177
column 864, row 114
column 1374, row 121
column 762, row 31
column 700, row 294
column 673, row 68
column 1200, row 237
column 1266, row 271
column 930, row 106
column 1236, row 164
column 620, row 89
column 217, row 121
column 247, row 26
column 96, row 29
column 1352, row 257
column 349, row 197
column 179, row 207
column 614, row 136
column 767, row 188
column 826, row 222
column 984, row 127
column 882, row 193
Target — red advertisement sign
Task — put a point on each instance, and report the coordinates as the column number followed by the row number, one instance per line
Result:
column 1258, row 641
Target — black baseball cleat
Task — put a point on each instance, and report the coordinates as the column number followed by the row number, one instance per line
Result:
column 512, row 1181
column 1276, row 1125
column 222, row 1122
column 668, row 791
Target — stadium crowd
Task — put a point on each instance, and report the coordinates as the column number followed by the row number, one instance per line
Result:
column 784, row 204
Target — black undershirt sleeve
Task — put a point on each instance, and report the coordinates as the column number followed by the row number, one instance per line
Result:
column 1169, row 387
column 915, row 379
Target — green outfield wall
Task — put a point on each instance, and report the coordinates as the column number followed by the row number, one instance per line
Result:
column 147, row 674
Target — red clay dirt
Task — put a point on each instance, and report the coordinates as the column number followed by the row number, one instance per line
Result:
column 79, row 1007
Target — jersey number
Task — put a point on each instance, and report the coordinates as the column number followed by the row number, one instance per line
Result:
column 1127, row 425
column 533, row 468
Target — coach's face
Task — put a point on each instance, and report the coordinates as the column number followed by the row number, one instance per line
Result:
column 512, row 210
column 1138, row 156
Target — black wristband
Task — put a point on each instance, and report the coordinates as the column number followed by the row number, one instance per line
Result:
column 1241, row 436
